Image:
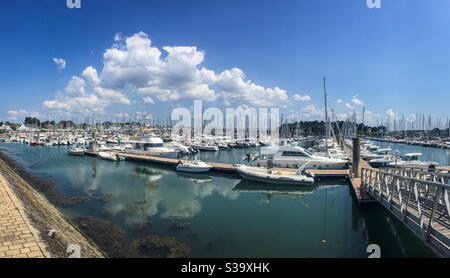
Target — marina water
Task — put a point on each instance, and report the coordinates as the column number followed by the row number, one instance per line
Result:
column 228, row 217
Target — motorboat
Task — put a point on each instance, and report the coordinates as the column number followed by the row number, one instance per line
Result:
column 384, row 162
column 295, row 156
column 411, row 160
column 151, row 146
column 108, row 156
column 179, row 147
column 206, row 148
column 76, row 151
column 381, row 153
column 195, row 166
column 275, row 176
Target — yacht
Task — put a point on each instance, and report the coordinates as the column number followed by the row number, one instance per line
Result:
column 152, row 146
column 295, row 156
column 411, row 160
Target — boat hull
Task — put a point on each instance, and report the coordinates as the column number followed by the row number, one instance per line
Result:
column 192, row 169
column 312, row 165
column 275, row 179
column 75, row 153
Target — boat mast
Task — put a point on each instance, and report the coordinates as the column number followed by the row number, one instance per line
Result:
column 326, row 114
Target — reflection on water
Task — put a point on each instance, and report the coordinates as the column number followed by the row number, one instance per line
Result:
column 217, row 215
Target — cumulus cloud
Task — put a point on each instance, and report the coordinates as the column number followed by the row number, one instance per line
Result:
column 76, row 86
column 148, row 100
column 310, row 111
column 390, row 113
column 60, row 63
column 118, row 37
column 20, row 114
column 77, row 99
column 298, row 97
column 132, row 65
column 339, row 101
column 91, row 76
column 138, row 65
column 349, row 106
column 356, row 101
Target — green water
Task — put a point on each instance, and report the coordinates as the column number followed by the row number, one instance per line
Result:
column 228, row 217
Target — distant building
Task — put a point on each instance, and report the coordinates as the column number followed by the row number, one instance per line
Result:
column 5, row 128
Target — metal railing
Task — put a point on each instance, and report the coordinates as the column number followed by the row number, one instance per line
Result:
column 436, row 176
column 415, row 197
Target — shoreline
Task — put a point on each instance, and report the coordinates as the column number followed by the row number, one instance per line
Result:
column 41, row 215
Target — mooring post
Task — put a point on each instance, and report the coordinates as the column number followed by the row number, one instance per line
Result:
column 356, row 157
column 94, row 144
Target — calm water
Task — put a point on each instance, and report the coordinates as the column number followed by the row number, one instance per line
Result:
column 228, row 217
column 442, row 156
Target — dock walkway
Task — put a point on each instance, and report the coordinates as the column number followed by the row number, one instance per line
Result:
column 230, row 168
column 16, row 237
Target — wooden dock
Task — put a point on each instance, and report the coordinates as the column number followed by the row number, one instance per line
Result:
column 229, row 168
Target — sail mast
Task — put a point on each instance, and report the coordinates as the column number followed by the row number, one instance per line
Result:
column 326, row 113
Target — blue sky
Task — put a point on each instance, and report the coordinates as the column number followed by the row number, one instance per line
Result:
column 393, row 60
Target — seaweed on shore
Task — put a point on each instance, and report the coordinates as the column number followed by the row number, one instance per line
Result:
column 180, row 225
column 92, row 191
column 105, row 198
column 142, row 225
column 108, row 237
column 140, row 202
column 76, row 200
column 40, row 184
column 168, row 245
column 134, row 210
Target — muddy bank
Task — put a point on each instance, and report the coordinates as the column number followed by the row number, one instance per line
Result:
column 42, row 214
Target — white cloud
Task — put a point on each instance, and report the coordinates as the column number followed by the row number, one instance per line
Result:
column 76, row 86
column 339, row 101
column 133, row 65
column 412, row 117
column 356, row 101
column 139, row 66
column 148, row 100
column 61, row 63
column 20, row 114
column 91, row 76
column 112, row 96
column 298, row 97
column 390, row 113
column 118, row 37
column 310, row 111
column 348, row 105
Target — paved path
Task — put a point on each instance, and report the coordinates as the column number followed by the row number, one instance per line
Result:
column 16, row 238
